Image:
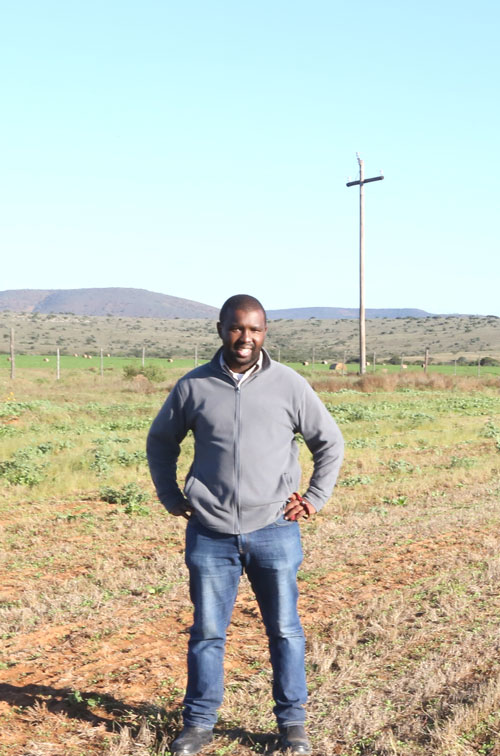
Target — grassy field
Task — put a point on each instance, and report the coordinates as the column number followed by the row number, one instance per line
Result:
column 68, row 362
column 48, row 363
column 400, row 586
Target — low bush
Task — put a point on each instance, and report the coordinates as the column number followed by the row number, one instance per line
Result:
column 128, row 495
column 153, row 373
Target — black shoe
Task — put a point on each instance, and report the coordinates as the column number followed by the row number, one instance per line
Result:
column 191, row 740
column 294, row 738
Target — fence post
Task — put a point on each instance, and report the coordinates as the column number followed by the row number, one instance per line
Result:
column 12, row 356
column 426, row 359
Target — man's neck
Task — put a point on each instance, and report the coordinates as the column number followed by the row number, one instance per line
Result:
column 240, row 373
column 239, row 369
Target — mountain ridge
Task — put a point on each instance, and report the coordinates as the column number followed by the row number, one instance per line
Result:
column 346, row 313
column 142, row 303
column 112, row 301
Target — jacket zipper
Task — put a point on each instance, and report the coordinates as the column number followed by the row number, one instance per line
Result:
column 237, row 458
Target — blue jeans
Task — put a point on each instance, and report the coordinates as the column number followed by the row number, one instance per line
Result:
column 270, row 557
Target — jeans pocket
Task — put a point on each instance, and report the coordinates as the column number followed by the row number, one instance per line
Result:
column 282, row 523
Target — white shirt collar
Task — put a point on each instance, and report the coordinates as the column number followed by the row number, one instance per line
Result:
column 240, row 377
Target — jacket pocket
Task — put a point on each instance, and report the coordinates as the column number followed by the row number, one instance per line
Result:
column 256, row 493
column 200, row 496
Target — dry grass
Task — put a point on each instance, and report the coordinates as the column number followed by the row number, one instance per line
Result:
column 398, row 381
column 400, row 586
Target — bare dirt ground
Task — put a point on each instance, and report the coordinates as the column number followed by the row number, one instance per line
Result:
column 69, row 688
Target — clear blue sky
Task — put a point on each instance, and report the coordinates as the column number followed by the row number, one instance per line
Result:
column 200, row 148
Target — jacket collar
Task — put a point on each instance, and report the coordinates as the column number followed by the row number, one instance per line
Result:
column 215, row 362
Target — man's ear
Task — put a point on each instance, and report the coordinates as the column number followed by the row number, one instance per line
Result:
column 219, row 328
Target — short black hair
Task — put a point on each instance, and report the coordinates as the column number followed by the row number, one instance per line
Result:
column 240, row 302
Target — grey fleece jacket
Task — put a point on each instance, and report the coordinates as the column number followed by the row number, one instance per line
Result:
column 245, row 462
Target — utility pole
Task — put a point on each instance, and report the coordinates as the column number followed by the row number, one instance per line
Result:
column 362, row 326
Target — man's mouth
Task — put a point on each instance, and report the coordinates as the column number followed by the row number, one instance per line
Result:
column 244, row 351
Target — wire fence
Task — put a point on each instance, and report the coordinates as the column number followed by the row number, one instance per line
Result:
column 55, row 362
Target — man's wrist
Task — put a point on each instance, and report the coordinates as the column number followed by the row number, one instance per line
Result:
column 298, row 508
column 309, row 508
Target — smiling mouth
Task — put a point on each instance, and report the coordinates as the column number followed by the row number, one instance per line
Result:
column 244, row 351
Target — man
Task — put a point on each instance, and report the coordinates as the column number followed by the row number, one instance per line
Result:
column 243, row 509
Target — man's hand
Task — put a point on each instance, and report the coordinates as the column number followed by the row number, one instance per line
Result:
column 297, row 508
column 183, row 510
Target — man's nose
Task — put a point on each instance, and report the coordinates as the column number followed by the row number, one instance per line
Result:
column 246, row 334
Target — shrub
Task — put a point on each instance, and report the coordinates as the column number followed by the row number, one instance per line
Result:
column 355, row 480
column 465, row 462
column 21, row 472
column 101, row 459
column 153, row 373
column 23, row 468
column 127, row 459
column 130, row 496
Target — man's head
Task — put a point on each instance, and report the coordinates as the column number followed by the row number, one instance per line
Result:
column 242, row 327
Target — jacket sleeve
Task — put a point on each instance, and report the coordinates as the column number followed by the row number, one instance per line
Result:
column 163, row 449
column 324, row 440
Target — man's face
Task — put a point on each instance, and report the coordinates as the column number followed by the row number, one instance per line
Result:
column 242, row 333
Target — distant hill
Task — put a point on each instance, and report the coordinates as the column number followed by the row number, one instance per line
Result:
column 134, row 303
column 22, row 300
column 140, row 303
column 344, row 313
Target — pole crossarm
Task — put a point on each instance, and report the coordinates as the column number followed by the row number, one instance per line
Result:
column 365, row 181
